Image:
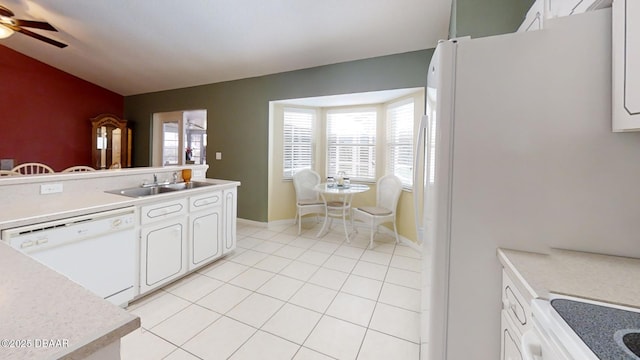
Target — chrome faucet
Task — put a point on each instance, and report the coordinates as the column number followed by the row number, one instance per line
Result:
column 155, row 182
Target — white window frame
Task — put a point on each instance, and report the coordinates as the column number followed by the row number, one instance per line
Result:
column 287, row 174
column 357, row 147
column 397, row 160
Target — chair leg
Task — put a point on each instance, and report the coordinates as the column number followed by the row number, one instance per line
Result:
column 395, row 230
column 299, row 224
column 371, row 237
column 353, row 226
column 344, row 224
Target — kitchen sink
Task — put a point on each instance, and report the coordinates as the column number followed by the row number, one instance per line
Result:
column 187, row 185
column 142, row 191
column 159, row 189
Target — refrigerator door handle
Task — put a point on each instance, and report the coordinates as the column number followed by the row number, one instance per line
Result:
column 418, row 174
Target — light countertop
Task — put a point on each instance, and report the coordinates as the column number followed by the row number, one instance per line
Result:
column 611, row 279
column 36, row 209
column 39, row 304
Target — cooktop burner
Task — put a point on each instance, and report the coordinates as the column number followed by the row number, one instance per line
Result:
column 609, row 332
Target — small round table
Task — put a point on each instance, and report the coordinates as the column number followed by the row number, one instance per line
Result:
column 337, row 201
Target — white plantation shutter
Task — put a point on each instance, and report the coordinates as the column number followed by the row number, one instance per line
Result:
column 298, row 140
column 351, row 143
column 400, row 120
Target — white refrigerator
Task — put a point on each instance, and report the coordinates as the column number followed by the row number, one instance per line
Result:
column 516, row 151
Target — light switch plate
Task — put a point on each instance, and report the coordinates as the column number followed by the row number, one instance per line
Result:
column 218, row 155
column 50, row 188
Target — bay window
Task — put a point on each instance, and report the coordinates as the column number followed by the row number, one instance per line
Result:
column 351, row 143
column 297, row 140
column 399, row 140
column 365, row 141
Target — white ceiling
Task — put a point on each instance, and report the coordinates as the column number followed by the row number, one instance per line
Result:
column 139, row 46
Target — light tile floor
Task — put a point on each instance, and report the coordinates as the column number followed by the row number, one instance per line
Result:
column 284, row 296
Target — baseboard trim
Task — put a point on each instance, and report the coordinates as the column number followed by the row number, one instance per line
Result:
column 252, row 222
column 403, row 240
column 276, row 222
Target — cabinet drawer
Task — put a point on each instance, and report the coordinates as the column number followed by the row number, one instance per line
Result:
column 163, row 210
column 510, row 349
column 516, row 306
column 205, row 201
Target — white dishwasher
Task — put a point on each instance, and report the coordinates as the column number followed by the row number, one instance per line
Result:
column 97, row 251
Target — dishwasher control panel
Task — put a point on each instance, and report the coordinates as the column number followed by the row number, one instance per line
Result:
column 51, row 234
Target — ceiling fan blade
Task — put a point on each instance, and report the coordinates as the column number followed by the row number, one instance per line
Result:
column 6, row 12
column 40, row 37
column 34, row 24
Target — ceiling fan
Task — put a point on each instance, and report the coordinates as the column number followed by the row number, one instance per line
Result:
column 8, row 26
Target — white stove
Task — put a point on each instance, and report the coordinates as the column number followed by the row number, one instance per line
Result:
column 569, row 328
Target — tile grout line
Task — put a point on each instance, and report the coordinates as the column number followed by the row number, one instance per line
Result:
column 273, row 274
column 278, row 310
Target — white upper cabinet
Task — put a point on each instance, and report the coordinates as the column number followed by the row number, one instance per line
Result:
column 535, row 17
column 547, row 9
column 626, row 65
column 559, row 8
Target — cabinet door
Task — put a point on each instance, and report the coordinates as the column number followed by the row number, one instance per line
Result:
column 163, row 253
column 206, row 237
column 626, row 65
column 230, row 216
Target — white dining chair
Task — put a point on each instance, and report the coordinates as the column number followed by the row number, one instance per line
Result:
column 307, row 199
column 388, row 192
column 32, row 169
column 9, row 173
column 78, row 168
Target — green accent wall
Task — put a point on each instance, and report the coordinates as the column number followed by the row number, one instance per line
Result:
column 238, row 114
column 238, row 111
column 479, row 18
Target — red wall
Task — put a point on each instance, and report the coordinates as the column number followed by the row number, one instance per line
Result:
column 45, row 112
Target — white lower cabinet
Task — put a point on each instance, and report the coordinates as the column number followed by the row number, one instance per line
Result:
column 510, row 349
column 163, row 243
column 162, row 253
column 179, row 236
column 206, row 235
column 205, row 229
column 515, row 317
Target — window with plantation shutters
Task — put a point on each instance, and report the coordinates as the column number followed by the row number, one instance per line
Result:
column 298, row 140
column 399, row 138
column 351, row 143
